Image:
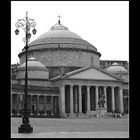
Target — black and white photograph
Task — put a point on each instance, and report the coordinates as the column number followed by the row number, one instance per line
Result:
column 69, row 69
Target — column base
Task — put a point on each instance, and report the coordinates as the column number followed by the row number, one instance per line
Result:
column 72, row 115
column 63, row 115
column 52, row 113
column 25, row 129
column 88, row 112
column 80, row 113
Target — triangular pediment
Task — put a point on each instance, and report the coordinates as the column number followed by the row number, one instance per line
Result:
column 90, row 73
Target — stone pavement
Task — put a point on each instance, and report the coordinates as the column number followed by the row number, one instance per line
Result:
column 73, row 128
column 104, row 134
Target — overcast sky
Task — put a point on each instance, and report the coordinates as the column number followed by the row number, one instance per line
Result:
column 104, row 24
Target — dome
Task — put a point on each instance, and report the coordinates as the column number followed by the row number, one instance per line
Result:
column 59, row 30
column 33, row 63
column 59, row 34
column 61, row 46
column 36, row 70
column 116, row 68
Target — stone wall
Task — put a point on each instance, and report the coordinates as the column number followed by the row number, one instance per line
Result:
column 33, row 74
column 56, row 71
column 34, row 82
column 51, row 58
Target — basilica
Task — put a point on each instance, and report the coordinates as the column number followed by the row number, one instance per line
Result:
column 67, row 79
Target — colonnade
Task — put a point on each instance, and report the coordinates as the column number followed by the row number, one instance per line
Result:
column 72, row 99
column 113, row 98
column 38, row 104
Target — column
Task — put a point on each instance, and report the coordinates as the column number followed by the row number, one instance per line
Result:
column 76, row 97
column 37, row 105
column 88, row 98
column 80, row 99
column 71, row 99
column 105, row 94
column 52, row 106
column 62, row 101
column 17, row 104
column 11, row 103
column 97, row 97
column 45, row 105
column 121, row 100
column 113, row 99
column 31, row 105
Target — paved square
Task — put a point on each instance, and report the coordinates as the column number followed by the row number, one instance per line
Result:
column 73, row 128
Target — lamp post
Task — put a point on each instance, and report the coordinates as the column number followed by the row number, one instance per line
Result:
column 25, row 24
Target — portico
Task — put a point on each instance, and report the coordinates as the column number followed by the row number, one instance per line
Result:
column 83, row 99
column 80, row 94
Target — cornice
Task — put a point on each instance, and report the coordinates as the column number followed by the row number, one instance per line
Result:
column 59, row 49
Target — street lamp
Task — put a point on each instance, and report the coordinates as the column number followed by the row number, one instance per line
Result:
column 25, row 24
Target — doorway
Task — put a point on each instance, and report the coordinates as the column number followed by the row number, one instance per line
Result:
column 83, row 103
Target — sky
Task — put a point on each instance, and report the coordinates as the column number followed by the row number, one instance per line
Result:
column 104, row 24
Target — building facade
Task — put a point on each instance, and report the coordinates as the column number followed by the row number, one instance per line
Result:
column 66, row 78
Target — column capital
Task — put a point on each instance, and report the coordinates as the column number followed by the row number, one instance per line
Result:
column 80, row 85
column 113, row 86
column 97, row 86
column 71, row 85
column 62, row 85
column 120, row 87
column 88, row 86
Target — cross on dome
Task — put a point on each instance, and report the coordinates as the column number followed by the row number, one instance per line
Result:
column 59, row 18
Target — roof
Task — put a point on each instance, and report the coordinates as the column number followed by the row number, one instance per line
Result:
column 59, row 30
column 98, row 70
column 59, row 34
column 60, row 42
column 58, row 37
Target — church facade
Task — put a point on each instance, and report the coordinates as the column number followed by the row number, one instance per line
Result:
column 66, row 78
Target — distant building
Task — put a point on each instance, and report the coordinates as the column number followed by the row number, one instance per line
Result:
column 66, row 78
